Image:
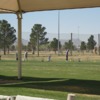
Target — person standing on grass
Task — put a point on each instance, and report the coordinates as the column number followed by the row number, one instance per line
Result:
column 0, row 57
column 25, row 55
column 49, row 58
column 16, row 55
column 67, row 54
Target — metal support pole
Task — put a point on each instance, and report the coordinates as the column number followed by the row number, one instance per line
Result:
column 58, row 31
column 19, row 16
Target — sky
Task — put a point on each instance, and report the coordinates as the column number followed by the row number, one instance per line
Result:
column 82, row 21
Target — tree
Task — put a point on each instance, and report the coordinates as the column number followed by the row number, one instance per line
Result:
column 37, row 36
column 29, row 46
column 69, row 45
column 54, row 44
column 13, row 48
column 91, row 43
column 24, row 47
column 0, row 41
column 7, row 36
column 83, row 46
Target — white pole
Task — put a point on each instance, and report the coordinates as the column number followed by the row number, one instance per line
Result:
column 19, row 16
column 99, row 43
column 58, row 30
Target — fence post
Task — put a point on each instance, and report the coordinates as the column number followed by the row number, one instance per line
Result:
column 71, row 97
column 99, row 43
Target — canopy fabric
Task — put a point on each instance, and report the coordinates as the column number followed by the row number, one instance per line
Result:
column 13, row 6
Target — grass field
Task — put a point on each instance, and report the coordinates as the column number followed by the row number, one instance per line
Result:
column 44, row 56
column 53, row 79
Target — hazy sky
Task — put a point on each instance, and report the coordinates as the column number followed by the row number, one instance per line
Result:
column 86, row 21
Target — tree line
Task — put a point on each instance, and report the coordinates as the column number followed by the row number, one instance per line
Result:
column 90, row 45
column 38, row 40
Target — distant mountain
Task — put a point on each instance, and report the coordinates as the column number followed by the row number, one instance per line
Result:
column 24, row 42
column 76, row 42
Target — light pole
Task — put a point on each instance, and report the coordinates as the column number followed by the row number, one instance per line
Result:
column 58, row 31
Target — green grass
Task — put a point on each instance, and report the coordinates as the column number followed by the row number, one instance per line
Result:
column 53, row 79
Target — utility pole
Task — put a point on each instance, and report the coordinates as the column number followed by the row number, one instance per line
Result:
column 38, row 44
column 78, row 38
column 71, row 44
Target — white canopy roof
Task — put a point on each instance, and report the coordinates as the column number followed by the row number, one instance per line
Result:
column 13, row 6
